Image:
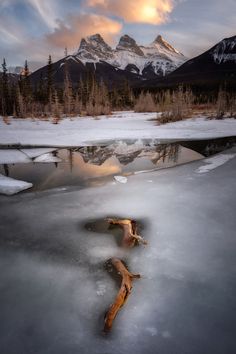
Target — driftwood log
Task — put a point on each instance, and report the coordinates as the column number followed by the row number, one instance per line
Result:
column 130, row 236
column 123, row 294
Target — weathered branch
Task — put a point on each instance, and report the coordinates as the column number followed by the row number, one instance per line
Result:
column 130, row 236
column 123, row 294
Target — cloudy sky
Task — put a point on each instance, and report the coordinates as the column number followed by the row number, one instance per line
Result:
column 33, row 29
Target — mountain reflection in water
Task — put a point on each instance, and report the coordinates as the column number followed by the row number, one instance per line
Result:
column 94, row 165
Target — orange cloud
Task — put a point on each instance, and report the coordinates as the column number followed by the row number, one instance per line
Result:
column 81, row 26
column 142, row 11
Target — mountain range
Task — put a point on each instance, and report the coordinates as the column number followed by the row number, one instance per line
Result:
column 216, row 66
column 159, row 58
column 155, row 65
column 128, row 61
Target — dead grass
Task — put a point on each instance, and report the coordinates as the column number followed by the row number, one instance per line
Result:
column 6, row 120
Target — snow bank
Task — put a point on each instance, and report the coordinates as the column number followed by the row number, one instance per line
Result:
column 82, row 131
column 10, row 186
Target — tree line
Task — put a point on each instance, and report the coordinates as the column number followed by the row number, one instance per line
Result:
column 19, row 98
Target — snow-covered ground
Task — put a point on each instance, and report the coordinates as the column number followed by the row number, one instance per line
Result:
column 121, row 126
column 55, row 290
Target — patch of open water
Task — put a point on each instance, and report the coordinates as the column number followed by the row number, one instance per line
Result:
column 96, row 165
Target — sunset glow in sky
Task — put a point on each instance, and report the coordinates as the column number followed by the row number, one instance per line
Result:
column 31, row 29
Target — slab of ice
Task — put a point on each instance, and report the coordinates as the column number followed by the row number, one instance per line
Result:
column 32, row 153
column 10, row 186
column 121, row 179
column 214, row 162
column 47, row 158
column 8, row 156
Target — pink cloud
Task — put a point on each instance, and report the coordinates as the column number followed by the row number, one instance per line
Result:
column 140, row 11
column 83, row 25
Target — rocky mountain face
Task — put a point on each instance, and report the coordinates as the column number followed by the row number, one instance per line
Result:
column 225, row 51
column 94, row 49
column 215, row 67
column 155, row 65
column 157, row 59
column 127, row 62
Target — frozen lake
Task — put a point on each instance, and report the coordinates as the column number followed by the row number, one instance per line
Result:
column 95, row 165
column 55, row 289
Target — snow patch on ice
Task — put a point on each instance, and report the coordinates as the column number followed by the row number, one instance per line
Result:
column 121, row 179
column 32, row 153
column 10, row 186
column 47, row 158
column 214, row 162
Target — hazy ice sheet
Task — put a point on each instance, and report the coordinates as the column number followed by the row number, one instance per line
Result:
column 55, row 289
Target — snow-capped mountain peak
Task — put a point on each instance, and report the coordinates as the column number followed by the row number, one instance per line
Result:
column 157, row 59
column 94, row 48
column 128, row 43
column 161, row 42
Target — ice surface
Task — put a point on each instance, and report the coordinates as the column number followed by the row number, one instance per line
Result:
column 10, row 186
column 47, row 158
column 81, row 131
column 214, row 162
column 8, row 156
column 55, row 289
column 13, row 156
column 32, row 153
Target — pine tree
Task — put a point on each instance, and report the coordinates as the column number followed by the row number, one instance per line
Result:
column 56, row 107
column 221, row 104
column 77, row 104
column 5, row 104
column 41, row 94
column 127, row 97
column 20, row 106
column 49, row 80
column 26, row 90
column 68, row 92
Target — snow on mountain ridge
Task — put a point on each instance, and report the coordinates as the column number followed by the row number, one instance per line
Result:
column 128, row 43
column 159, row 58
column 94, row 48
column 160, row 41
column 225, row 51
